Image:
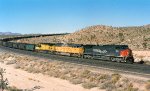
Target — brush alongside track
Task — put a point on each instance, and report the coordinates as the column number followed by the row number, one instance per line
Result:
column 136, row 69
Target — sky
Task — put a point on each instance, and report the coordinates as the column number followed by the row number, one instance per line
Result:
column 67, row 16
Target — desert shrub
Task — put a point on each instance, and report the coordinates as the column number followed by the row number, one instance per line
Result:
column 147, row 86
column 11, row 62
column 13, row 88
column 115, row 78
column 1, row 61
column 85, row 74
column 65, row 77
column 76, row 81
column 57, row 74
column 32, row 70
column 108, row 86
column 130, row 88
column 122, row 83
column 121, row 37
column 103, row 76
column 17, row 66
column 88, row 85
column 3, row 81
column 73, row 75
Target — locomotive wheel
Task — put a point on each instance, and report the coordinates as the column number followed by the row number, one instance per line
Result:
column 118, row 61
column 112, row 59
column 129, row 61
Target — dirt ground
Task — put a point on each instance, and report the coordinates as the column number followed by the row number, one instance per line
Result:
column 142, row 55
column 24, row 80
column 39, row 82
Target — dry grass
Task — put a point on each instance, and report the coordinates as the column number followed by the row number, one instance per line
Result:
column 76, row 75
column 85, row 74
column 11, row 62
column 108, row 86
column 1, row 61
column 147, row 86
column 17, row 66
column 13, row 88
column 76, row 81
column 130, row 88
column 89, row 85
column 115, row 78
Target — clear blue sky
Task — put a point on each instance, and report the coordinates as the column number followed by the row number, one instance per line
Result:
column 56, row 16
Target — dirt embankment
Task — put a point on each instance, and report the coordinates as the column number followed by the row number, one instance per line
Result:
column 142, row 55
column 47, row 75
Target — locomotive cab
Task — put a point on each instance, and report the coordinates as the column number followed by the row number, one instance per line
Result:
column 127, row 55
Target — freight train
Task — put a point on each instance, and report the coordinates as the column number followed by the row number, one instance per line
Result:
column 116, row 53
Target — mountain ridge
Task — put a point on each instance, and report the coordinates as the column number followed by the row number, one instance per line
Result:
column 9, row 33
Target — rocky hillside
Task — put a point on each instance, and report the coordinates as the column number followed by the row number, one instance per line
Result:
column 138, row 37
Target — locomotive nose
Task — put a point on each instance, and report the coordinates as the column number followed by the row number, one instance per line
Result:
column 125, row 52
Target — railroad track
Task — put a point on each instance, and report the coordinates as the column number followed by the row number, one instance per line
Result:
column 136, row 69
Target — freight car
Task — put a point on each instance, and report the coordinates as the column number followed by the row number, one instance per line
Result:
column 30, row 47
column 21, row 46
column 9, row 44
column 118, row 53
column 1, row 42
column 16, row 45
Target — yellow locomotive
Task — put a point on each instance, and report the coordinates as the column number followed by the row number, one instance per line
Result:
column 45, row 47
column 63, row 49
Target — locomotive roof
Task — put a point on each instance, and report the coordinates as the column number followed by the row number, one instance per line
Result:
column 64, row 44
column 104, row 45
column 72, row 44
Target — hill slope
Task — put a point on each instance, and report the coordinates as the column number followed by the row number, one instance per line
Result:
column 137, row 37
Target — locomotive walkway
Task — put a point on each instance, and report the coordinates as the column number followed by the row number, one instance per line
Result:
column 136, row 69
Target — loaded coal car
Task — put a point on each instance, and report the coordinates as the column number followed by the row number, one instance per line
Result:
column 30, row 47
column 9, row 44
column 119, row 53
column 1, row 42
column 16, row 45
column 25, row 46
column 22, row 46
column 4, row 43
